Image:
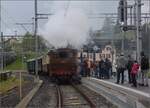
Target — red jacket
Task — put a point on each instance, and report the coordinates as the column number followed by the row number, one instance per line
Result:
column 135, row 68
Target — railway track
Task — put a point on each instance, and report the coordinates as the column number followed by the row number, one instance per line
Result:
column 70, row 96
column 51, row 95
column 45, row 96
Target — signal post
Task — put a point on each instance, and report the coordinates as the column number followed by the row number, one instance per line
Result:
column 123, row 19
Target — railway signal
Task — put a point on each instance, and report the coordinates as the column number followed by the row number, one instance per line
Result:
column 122, row 17
column 122, row 12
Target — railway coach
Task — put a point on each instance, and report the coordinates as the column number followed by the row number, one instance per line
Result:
column 60, row 64
column 31, row 65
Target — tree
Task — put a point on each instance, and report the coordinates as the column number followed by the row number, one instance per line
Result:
column 108, row 26
column 28, row 43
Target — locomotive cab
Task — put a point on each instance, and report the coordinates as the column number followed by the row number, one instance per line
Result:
column 63, row 63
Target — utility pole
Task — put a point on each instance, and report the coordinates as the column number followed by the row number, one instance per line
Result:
column 122, row 10
column 137, row 22
column 123, row 42
column 1, row 39
column 36, row 40
column 149, row 27
column 138, row 29
column 149, row 9
column 2, row 51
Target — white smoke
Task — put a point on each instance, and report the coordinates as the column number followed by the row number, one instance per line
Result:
column 67, row 28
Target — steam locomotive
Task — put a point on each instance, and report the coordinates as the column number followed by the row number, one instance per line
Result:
column 60, row 64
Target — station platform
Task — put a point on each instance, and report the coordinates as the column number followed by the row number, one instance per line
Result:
column 123, row 95
column 126, row 84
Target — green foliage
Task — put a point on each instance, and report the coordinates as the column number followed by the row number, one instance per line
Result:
column 9, row 84
column 23, row 47
column 108, row 25
column 28, row 43
column 16, row 65
column 20, row 62
column 130, row 35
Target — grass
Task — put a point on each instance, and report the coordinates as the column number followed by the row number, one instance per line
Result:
column 16, row 65
column 8, row 84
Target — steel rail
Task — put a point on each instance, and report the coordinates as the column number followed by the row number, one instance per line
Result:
column 92, row 105
column 59, row 97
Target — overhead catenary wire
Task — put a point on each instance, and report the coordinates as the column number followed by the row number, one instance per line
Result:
column 11, row 19
column 3, row 22
column 68, row 0
column 91, row 17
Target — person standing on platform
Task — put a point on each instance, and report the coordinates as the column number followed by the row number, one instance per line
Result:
column 129, row 67
column 96, row 69
column 101, row 69
column 84, row 64
column 134, row 72
column 121, row 65
column 108, row 68
column 144, row 69
column 92, row 68
column 88, row 67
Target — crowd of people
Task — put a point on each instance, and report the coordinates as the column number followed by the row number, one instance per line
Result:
column 99, row 69
column 137, row 71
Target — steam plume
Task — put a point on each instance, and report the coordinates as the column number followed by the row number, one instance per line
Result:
column 72, row 29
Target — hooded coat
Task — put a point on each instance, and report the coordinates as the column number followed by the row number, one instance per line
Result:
column 135, row 68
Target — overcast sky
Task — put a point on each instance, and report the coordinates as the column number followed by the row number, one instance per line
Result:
column 21, row 12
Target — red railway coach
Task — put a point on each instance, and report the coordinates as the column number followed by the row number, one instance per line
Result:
column 62, row 64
